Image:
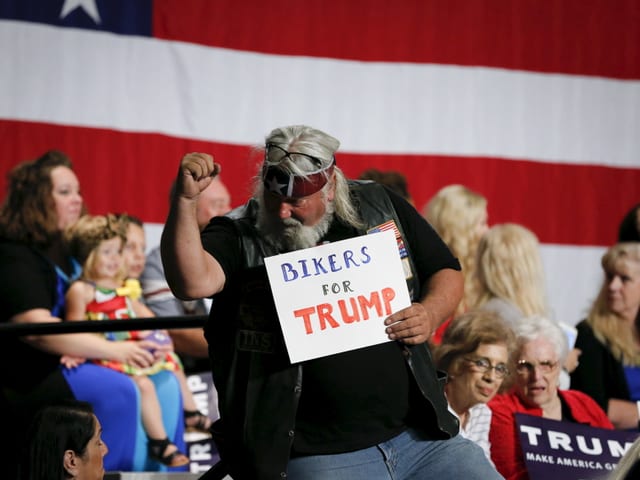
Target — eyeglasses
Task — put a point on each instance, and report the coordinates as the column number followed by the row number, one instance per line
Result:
column 523, row 366
column 483, row 365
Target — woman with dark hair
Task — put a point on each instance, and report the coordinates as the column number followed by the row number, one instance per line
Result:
column 65, row 443
column 43, row 199
column 629, row 229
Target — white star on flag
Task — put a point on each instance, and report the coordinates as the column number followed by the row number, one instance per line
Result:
column 89, row 6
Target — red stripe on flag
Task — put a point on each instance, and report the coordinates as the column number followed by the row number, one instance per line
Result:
column 126, row 172
column 121, row 171
column 586, row 37
column 564, row 204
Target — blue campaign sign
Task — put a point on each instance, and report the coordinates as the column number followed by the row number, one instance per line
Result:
column 570, row 451
column 201, row 449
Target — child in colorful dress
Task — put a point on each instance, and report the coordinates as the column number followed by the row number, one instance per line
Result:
column 101, row 294
column 134, row 255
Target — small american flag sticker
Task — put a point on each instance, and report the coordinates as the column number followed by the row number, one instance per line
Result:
column 391, row 225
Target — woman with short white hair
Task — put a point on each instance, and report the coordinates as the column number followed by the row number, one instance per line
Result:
column 540, row 353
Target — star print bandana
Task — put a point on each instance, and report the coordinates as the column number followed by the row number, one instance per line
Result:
column 290, row 185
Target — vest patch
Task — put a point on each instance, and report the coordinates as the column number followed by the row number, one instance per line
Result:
column 404, row 256
column 255, row 341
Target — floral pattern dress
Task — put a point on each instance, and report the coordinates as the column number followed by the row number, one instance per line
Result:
column 115, row 304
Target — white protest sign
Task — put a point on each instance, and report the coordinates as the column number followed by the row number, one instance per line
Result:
column 333, row 298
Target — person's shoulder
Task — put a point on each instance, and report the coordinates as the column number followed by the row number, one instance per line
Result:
column 583, row 325
column 502, row 407
column 17, row 249
column 585, row 331
column 367, row 187
column 154, row 255
column 503, row 401
column 248, row 210
column 370, row 186
column 81, row 288
column 480, row 409
column 577, row 396
column 507, row 310
column 24, row 256
column 587, row 404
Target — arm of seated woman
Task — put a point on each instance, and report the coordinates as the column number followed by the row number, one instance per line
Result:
column 623, row 414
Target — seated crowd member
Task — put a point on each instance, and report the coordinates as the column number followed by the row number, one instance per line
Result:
column 475, row 352
column 100, row 293
column 339, row 416
column 540, row 353
column 188, row 342
column 460, row 216
column 510, row 273
column 609, row 369
column 36, row 268
column 135, row 248
column 65, row 442
column 629, row 228
column 511, row 280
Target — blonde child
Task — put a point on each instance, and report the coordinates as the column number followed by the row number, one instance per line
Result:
column 101, row 294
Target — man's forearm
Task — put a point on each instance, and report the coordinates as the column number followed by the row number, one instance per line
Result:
column 443, row 292
column 183, row 257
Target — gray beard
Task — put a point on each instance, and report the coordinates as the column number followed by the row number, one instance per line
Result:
column 288, row 234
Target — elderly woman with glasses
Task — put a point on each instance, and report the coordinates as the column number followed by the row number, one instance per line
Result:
column 475, row 352
column 540, row 353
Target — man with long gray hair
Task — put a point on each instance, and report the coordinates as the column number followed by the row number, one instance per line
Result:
column 376, row 412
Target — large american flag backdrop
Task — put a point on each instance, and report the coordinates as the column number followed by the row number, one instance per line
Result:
column 533, row 103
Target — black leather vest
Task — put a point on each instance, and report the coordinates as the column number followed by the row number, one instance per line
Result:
column 258, row 389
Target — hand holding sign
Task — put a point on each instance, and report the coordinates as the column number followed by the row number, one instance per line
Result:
column 411, row 325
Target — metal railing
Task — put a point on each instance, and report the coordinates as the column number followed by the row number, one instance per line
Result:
column 48, row 328
column 217, row 471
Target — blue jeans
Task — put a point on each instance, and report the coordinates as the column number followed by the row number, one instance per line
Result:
column 404, row 457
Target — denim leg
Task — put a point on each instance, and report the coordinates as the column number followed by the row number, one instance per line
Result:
column 405, row 457
column 411, row 457
column 365, row 464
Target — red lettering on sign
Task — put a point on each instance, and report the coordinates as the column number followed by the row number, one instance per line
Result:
column 359, row 309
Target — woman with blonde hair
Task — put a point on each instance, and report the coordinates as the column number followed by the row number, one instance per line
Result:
column 609, row 338
column 510, row 273
column 459, row 215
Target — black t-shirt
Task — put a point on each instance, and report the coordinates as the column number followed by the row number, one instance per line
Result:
column 27, row 282
column 358, row 398
column 29, row 378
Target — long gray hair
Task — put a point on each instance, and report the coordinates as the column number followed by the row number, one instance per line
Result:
column 316, row 143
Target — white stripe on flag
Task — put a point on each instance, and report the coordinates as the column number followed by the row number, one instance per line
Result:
column 223, row 95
